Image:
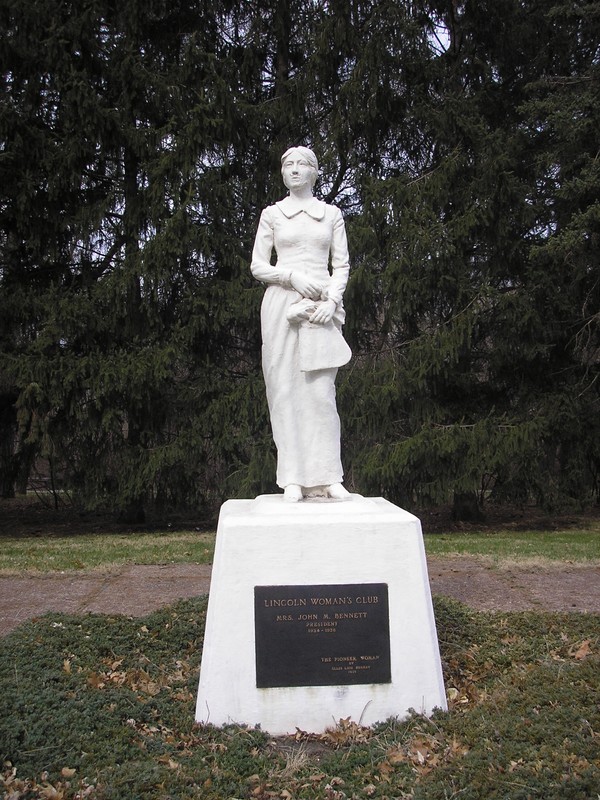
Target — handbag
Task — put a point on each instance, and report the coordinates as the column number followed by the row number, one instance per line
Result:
column 322, row 346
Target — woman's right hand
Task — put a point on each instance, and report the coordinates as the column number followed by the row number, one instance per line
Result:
column 306, row 286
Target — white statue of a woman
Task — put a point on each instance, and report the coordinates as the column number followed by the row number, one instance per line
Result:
column 301, row 319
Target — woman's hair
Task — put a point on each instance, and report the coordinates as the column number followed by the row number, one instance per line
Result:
column 306, row 153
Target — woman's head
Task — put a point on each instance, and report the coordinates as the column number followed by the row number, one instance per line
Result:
column 307, row 155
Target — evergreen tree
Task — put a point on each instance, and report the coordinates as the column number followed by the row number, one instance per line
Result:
column 463, row 369
column 139, row 144
column 563, row 118
column 118, row 131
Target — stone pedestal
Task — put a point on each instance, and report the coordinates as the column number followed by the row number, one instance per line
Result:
column 318, row 592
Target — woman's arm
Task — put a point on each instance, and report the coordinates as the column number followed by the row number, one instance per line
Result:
column 261, row 266
column 340, row 259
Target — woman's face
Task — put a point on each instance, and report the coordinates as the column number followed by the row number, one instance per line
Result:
column 297, row 172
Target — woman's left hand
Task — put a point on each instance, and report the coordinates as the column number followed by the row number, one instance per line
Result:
column 324, row 313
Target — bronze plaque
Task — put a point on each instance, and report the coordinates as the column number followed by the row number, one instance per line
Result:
column 322, row 635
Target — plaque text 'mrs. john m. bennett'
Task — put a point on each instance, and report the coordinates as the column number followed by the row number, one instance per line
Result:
column 322, row 635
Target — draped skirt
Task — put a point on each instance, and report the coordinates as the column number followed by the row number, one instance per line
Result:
column 302, row 405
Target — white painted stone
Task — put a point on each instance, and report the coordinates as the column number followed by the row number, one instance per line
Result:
column 302, row 315
column 268, row 542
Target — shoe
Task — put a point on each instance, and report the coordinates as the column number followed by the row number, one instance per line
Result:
column 337, row 492
column 292, row 493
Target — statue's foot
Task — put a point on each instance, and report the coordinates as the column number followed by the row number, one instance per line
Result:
column 292, row 493
column 337, row 492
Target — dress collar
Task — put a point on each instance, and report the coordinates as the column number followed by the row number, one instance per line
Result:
column 290, row 207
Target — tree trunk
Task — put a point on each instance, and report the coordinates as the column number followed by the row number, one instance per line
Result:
column 8, row 460
column 466, row 507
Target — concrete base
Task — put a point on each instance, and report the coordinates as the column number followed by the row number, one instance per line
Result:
column 267, row 542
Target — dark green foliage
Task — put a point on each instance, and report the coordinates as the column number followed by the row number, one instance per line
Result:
column 124, row 316
column 139, row 143
column 107, row 703
column 480, row 351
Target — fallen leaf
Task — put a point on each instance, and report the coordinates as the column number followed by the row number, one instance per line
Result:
column 396, row 757
column 583, row 650
column 95, row 681
column 67, row 772
column 457, row 749
column 48, row 792
column 346, row 732
column 168, row 761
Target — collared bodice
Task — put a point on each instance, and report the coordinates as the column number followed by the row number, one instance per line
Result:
column 304, row 238
column 302, row 242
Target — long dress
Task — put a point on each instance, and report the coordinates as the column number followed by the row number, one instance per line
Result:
column 302, row 406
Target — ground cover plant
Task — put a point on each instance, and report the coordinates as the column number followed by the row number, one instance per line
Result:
column 102, row 707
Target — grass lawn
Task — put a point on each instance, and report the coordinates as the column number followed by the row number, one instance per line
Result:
column 41, row 553
column 96, row 550
column 572, row 545
column 102, row 707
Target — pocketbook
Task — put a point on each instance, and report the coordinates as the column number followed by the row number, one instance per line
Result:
column 322, row 347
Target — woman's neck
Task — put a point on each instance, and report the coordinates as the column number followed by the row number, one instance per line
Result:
column 302, row 194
